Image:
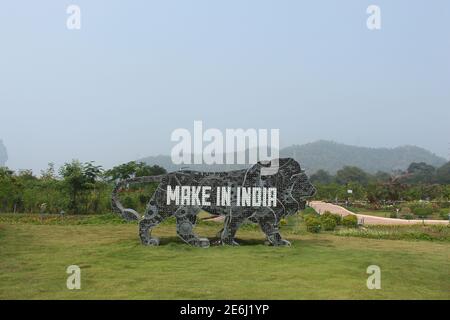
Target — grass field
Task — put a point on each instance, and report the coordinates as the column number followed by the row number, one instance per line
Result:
column 377, row 213
column 114, row 265
column 387, row 214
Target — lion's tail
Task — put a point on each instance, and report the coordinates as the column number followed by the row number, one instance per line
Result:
column 126, row 213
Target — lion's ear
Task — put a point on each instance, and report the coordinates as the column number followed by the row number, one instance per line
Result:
column 264, row 163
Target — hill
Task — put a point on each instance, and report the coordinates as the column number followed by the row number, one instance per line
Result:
column 332, row 156
column 3, row 154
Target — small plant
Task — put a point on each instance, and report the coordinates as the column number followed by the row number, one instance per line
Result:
column 328, row 223
column 313, row 224
column 350, row 221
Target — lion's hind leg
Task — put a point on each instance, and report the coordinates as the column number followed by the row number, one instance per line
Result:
column 270, row 227
column 231, row 225
column 186, row 220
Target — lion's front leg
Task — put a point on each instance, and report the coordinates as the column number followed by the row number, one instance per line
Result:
column 269, row 226
column 186, row 220
column 231, row 225
column 145, row 227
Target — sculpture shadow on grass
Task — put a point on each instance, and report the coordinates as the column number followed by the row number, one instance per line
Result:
column 215, row 242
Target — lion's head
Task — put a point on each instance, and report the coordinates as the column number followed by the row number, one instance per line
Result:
column 292, row 183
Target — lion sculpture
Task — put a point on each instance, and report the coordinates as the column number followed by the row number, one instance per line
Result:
column 292, row 190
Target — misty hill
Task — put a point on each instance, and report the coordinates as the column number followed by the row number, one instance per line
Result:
column 331, row 156
column 3, row 154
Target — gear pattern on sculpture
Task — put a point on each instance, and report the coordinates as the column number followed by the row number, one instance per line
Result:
column 293, row 189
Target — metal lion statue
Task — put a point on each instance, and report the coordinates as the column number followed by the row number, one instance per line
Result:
column 237, row 195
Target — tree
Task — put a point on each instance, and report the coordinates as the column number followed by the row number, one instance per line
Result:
column 5, row 172
column 352, row 174
column 322, row 176
column 382, row 176
column 376, row 191
column 10, row 189
column 133, row 169
column 146, row 170
column 443, row 174
column 49, row 173
column 420, row 172
column 79, row 178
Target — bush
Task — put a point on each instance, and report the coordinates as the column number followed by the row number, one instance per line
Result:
column 408, row 216
column 421, row 209
column 312, row 224
column 308, row 211
column 393, row 215
column 350, row 221
column 328, row 223
column 337, row 218
column 405, row 210
column 443, row 213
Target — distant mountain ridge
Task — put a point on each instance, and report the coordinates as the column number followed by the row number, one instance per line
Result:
column 3, row 154
column 331, row 156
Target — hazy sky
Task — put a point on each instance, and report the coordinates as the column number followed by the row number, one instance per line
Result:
column 116, row 89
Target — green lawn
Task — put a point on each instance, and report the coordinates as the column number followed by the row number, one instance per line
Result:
column 34, row 258
column 377, row 213
column 387, row 214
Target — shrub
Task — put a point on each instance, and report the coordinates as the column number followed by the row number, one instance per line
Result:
column 443, row 213
column 309, row 212
column 426, row 211
column 422, row 209
column 393, row 215
column 405, row 210
column 408, row 216
column 128, row 202
column 312, row 224
column 350, row 221
column 328, row 223
column 337, row 218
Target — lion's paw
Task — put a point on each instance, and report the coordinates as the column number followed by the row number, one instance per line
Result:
column 199, row 242
column 283, row 243
column 227, row 242
column 202, row 242
column 279, row 243
column 151, row 242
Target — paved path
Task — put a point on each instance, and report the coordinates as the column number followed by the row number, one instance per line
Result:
column 321, row 207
